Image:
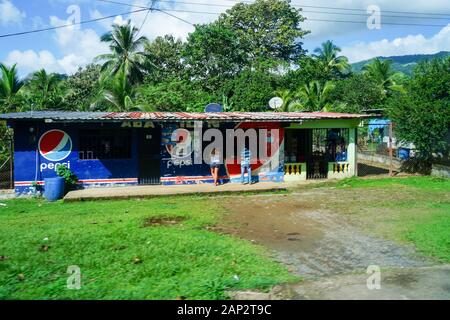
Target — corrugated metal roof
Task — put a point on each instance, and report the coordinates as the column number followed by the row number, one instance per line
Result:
column 176, row 116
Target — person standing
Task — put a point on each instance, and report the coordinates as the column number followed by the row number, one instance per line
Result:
column 245, row 165
column 215, row 165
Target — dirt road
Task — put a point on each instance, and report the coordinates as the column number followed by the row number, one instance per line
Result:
column 311, row 241
column 328, row 249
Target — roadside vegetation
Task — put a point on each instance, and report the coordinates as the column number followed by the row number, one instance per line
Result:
column 130, row 249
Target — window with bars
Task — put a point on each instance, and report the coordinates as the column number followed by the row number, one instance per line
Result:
column 330, row 143
column 337, row 142
column 104, row 144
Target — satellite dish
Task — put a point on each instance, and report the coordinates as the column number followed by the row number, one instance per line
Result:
column 275, row 103
column 213, row 107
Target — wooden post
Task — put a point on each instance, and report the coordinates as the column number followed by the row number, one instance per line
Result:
column 356, row 151
column 11, row 182
column 390, row 150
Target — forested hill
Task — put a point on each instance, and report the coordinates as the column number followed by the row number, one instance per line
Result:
column 404, row 64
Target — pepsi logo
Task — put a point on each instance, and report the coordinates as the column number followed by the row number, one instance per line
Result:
column 55, row 145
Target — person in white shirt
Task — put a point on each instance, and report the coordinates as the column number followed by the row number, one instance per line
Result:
column 215, row 165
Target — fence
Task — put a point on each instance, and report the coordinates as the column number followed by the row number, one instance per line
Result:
column 379, row 152
column 6, row 163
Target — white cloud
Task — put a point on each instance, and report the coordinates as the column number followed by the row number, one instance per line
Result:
column 77, row 46
column 411, row 44
column 38, row 22
column 29, row 60
column 329, row 29
column 119, row 21
column 9, row 14
column 105, row 23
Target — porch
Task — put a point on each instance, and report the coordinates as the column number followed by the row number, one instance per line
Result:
column 320, row 151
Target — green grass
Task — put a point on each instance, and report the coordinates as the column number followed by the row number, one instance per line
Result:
column 104, row 238
column 424, row 183
column 412, row 209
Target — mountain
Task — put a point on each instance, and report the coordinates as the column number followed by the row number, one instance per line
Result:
column 403, row 64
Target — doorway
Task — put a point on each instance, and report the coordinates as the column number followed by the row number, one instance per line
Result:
column 317, row 162
column 149, row 151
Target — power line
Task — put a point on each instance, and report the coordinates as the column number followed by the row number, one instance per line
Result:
column 68, row 25
column 306, row 11
column 146, row 8
column 174, row 16
column 383, row 23
column 366, row 15
column 316, row 7
column 346, row 9
column 364, row 10
column 165, row 11
column 298, row 6
column 308, row 19
column 145, row 18
column 323, row 20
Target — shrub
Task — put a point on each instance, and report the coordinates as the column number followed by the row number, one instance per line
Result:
column 70, row 178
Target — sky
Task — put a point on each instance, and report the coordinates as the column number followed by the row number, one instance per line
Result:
column 64, row 50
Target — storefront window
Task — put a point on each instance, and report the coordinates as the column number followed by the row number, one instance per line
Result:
column 104, row 144
column 337, row 140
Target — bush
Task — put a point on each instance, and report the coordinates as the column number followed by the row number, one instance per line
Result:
column 70, row 178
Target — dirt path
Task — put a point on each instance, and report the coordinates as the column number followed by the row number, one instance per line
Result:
column 330, row 252
column 311, row 241
column 400, row 284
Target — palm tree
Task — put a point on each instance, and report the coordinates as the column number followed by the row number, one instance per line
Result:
column 331, row 61
column 381, row 71
column 288, row 98
column 125, row 53
column 116, row 95
column 226, row 104
column 45, row 90
column 315, row 97
column 9, row 84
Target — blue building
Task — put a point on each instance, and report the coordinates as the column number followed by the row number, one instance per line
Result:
column 140, row 148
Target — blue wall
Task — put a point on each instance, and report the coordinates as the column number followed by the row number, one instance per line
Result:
column 30, row 165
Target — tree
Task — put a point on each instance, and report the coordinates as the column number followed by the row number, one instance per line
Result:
column 383, row 74
column 288, row 98
column 164, row 59
column 45, row 91
column 328, row 56
column 116, row 94
column 83, row 88
column 172, row 95
column 126, row 54
column 267, row 29
column 356, row 94
column 212, row 55
column 422, row 116
column 10, row 85
column 308, row 69
column 252, row 89
column 315, row 96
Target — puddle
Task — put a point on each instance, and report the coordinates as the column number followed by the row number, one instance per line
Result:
column 163, row 221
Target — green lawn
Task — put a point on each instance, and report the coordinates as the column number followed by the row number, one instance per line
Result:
column 120, row 257
column 409, row 209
